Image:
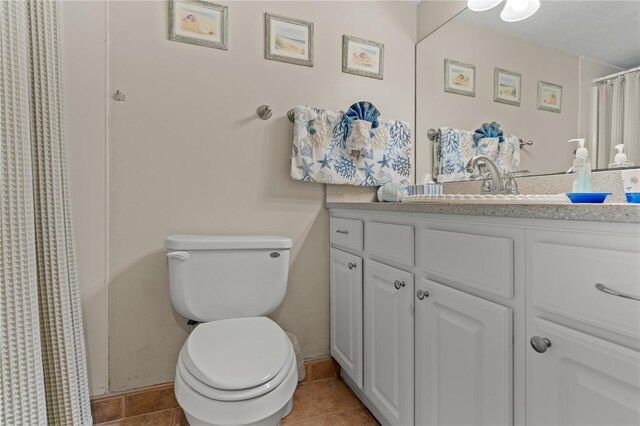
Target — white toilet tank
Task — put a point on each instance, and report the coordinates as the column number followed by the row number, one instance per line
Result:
column 214, row 277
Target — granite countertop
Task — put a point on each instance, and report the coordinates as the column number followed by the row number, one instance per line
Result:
column 608, row 212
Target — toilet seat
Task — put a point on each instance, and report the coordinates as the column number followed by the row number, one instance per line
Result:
column 236, row 359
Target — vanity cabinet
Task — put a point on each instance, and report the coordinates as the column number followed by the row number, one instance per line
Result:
column 487, row 321
column 346, row 312
column 388, row 342
column 463, row 358
column 578, row 379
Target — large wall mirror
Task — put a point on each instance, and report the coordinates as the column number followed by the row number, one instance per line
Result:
column 569, row 71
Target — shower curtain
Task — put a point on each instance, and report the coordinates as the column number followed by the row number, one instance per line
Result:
column 43, row 372
column 619, row 118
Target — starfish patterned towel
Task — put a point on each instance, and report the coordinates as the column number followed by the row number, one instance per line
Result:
column 349, row 149
column 456, row 147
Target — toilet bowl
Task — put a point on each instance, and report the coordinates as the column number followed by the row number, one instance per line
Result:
column 237, row 367
column 236, row 372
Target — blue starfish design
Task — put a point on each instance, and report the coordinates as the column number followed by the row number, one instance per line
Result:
column 384, row 162
column 367, row 169
column 325, row 162
column 306, row 170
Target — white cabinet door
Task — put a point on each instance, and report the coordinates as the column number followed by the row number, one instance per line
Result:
column 346, row 313
column 388, row 320
column 464, row 358
column 580, row 379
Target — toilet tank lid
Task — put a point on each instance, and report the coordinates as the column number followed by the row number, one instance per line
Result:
column 226, row 242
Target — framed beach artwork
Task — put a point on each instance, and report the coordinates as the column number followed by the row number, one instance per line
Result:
column 288, row 40
column 362, row 57
column 198, row 22
column 549, row 97
column 506, row 86
column 459, row 78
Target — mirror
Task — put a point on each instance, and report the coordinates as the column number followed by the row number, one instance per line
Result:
column 569, row 71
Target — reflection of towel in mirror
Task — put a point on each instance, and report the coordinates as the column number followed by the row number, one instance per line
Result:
column 323, row 142
column 456, row 147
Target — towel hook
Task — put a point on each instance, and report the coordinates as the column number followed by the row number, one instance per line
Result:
column 291, row 114
column 265, row 112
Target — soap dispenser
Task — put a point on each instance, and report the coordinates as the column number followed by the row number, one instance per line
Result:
column 581, row 168
column 620, row 159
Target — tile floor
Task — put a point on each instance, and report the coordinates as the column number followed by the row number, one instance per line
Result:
column 327, row 402
column 322, row 399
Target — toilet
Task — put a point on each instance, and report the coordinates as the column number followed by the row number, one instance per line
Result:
column 237, row 367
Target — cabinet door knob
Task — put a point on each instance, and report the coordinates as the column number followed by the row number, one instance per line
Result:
column 398, row 284
column 540, row 344
column 352, row 265
column 422, row 294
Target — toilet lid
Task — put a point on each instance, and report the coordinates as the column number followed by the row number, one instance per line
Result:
column 237, row 353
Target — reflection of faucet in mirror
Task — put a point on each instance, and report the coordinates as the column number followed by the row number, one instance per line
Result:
column 493, row 181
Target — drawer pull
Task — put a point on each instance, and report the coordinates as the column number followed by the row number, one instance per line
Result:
column 352, row 265
column 340, row 231
column 540, row 344
column 603, row 288
column 398, row 284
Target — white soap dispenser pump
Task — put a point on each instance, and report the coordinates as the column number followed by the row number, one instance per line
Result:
column 581, row 168
column 620, row 159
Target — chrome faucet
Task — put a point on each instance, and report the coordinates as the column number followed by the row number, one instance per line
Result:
column 494, row 182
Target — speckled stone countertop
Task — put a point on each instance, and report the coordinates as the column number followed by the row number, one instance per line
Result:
column 611, row 212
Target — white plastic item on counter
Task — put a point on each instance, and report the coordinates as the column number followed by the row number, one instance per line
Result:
column 581, row 168
column 620, row 159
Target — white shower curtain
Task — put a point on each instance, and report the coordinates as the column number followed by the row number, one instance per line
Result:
column 619, row 118
column 631, row 126
column 43, row 373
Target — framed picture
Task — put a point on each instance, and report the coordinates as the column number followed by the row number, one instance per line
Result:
column 549, row 97
column 459, row 78
column 362, row 57
column 198, row 22
column 288, row 40
column 506, row 86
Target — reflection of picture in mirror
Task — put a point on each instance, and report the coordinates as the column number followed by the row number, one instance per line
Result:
column 549, row 97
column 506, row 87
column 459, row 78
column 198, row 22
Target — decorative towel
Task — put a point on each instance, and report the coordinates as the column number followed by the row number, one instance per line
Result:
column 353, row 148
column 457, row 147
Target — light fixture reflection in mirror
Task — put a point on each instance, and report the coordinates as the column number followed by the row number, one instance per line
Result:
column 482, row 5
column 514, row 10
column 517, row 10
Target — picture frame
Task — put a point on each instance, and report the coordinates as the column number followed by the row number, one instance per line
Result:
column 288, row 40
column 507, row 87
column 459, row 78
column 362, row 57
column 199, row 22
column 549, row 97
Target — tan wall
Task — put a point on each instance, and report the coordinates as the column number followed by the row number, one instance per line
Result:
column 485, row 48
column 432, row 14
column 189, row 155
column 85, row 64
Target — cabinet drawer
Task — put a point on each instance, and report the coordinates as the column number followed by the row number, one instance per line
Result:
column 390, row 241
column 564, row 277
column 479, row 261
column 346, row 233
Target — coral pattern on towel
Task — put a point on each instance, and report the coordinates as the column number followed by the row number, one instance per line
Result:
column 457, row 147
column 350, row 149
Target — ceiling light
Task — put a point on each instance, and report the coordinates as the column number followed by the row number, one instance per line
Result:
column 482, row 5
column 517, row 10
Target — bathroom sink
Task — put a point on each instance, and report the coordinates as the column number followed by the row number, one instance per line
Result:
column 488, row 199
